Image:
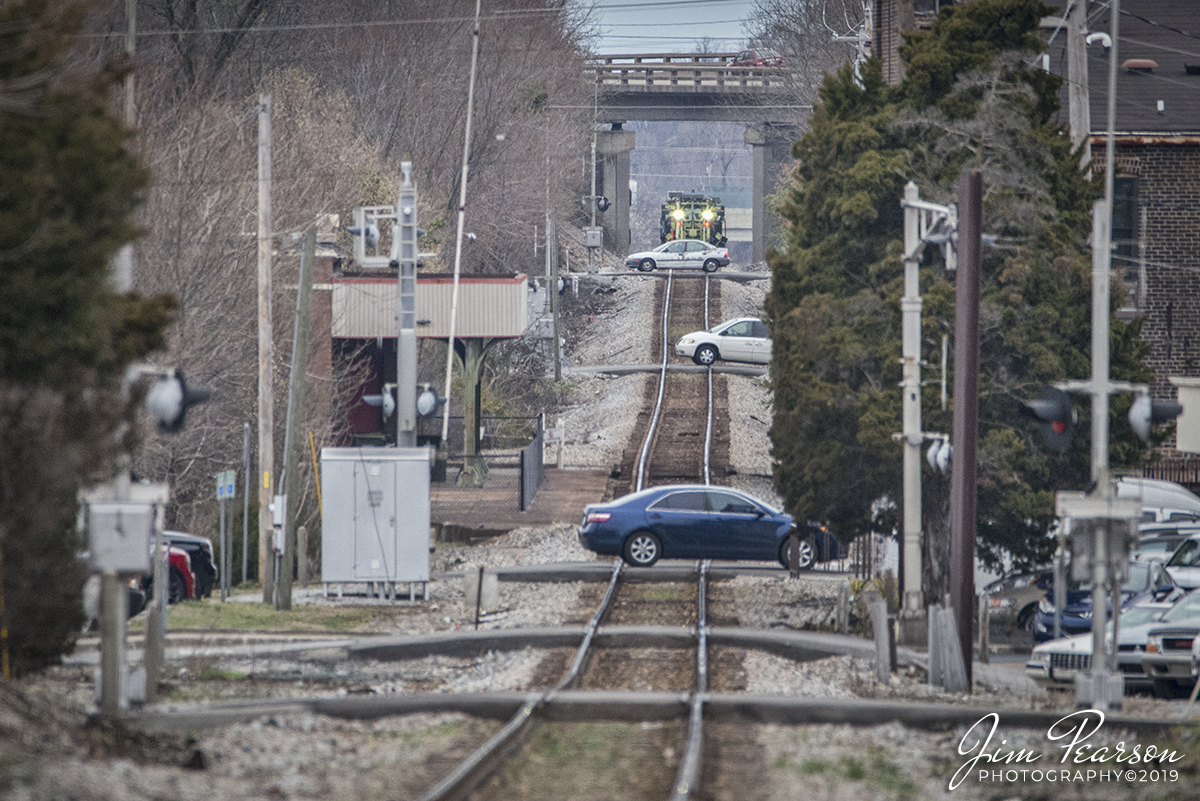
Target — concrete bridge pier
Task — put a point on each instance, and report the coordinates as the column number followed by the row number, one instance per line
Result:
column 770, row 147
column 612, row 149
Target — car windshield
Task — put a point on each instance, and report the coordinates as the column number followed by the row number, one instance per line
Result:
column 1142, row 576
column 1137, row 615
column 1157, row 546
column 1187, row 555
column 1187, row 606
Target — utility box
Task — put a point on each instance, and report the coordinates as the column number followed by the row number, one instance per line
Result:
column 375, row 523
column 594, row 237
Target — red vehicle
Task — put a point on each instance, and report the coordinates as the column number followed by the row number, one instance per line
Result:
column 758, row 57
column 181, row 580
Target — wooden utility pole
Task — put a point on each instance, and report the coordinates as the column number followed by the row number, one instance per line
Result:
column 266, row 356
column 295, row 419
column 963, row 469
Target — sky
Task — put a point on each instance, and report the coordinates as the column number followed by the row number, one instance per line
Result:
column 670, row 26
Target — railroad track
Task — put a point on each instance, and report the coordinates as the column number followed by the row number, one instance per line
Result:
column 682, row 437
column 682, row 433
column 666, row 669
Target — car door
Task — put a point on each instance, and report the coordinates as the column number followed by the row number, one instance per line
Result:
column 738, row 528
column 693, row 255
column 735, row 342
column 678, row 519
column 673, row 255
column 758, row 344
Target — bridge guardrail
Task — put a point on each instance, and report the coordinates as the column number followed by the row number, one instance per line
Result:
column 676, row 70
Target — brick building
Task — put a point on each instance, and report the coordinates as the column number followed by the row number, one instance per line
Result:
column 1156, row 198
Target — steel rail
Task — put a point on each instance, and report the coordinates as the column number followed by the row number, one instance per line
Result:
column 687, row 779
column 483, row 762
column 708, row 427
column 662, row 385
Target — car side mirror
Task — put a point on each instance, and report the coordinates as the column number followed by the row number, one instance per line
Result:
column 1164, row 590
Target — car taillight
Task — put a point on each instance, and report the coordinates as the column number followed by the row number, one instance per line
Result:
column 596, row 517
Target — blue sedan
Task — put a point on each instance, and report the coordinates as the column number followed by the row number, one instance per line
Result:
column 689, row 521
column 1147, row 581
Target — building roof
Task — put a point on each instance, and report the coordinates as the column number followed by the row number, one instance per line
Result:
column 1159, row 54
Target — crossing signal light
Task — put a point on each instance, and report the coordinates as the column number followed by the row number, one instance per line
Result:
column 1056, row 414
column 168, row 399
column 1145, row 413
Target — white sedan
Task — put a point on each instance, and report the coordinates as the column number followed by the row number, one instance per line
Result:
column 680, row 253
column 1055, row 663
column 742, row 340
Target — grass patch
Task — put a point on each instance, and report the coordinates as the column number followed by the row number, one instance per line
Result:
column 588, row 762
column 211, row 615
column 873, row 769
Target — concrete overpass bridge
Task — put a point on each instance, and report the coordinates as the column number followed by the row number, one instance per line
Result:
column 703, row 87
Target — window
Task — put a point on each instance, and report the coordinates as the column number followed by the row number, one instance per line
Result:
column 730, row 504
column 695, row 246
column 1186, row 556
column 676, row 247
column 742, row 329
column 683, row 501
column 1124, row 228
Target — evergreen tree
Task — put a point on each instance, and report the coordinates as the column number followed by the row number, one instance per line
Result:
column 69, row 187
column 970, row 100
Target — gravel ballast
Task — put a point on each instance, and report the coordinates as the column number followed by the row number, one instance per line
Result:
column 49, row 749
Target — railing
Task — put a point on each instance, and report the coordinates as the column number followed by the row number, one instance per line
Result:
column 532, row 469
column 674, row 70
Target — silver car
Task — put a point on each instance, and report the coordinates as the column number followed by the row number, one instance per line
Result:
column 687, row 253
column 1184, row 564
column 742, row 340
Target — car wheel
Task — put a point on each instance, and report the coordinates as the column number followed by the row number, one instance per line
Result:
column 1027, row 617
column 646, row 265
column 806, row 553
column 705, row 355
column 176, row 587
column 711, row 266
column 642, row 549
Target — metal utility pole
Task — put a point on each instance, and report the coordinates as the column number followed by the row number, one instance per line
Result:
column 295, row 419
column 923, row 222
column 1101, row 387
column 266, row 356
column 552, row 290
column 910, row 308
column 246, row 486
column 404, row 254
column 963, row 493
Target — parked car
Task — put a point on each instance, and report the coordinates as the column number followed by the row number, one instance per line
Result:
column 1184, row 564
column 1162, row 501
column 181, row 580
column 1147, row 581
column 91, row 600
column 200, row 554
column 758, row 57
column 1159, row 547
column 689, row 521
column 1013, row 600
column 1168, row 657
column 1055, row 663
column 742, row 340
column 687, row 253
